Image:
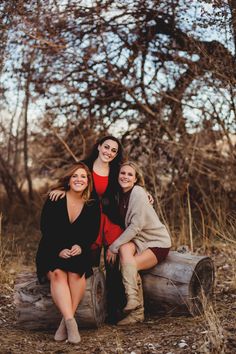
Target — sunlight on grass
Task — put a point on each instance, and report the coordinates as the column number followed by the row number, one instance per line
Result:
column 215, row 338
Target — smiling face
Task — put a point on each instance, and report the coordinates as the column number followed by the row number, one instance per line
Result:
column 127, row 178
column 78, row 182
column 108, row 150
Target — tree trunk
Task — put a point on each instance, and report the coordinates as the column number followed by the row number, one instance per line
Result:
column 36, row 310
column 181, row 284
column 25, row 150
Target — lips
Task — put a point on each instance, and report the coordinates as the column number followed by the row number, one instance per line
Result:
column 78, row 184
column 123, row 181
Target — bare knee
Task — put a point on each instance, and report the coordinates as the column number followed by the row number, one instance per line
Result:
column 57, row 275
column 127, row 252
column 75, row 277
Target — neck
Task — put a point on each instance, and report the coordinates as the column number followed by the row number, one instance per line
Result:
column 125, row 190
column 101, row 167
column 99, row 162
column 75, row 195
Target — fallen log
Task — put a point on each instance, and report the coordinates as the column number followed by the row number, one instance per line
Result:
column 182, row 284
column 36, row 310
column 179, row 285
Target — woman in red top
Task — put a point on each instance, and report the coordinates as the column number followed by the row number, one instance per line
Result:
column 104, row 163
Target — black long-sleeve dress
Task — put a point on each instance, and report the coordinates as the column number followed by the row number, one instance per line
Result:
column 59, row 233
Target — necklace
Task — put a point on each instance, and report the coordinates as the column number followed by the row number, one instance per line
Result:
column 124, row 201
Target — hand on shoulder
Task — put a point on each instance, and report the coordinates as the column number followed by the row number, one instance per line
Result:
column 56, row 195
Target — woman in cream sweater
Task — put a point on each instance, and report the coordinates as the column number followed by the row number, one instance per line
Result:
column 144, row 242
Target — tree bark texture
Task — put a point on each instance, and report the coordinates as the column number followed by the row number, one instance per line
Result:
column 36, row 310
column 182, row 284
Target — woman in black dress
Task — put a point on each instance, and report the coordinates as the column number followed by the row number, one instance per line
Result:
column 69, row 226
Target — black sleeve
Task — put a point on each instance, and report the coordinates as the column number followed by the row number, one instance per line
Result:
column 49, row 226
column 92, row 224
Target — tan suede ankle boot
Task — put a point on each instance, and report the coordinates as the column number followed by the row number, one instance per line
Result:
column 61, row 333
column 72, row 331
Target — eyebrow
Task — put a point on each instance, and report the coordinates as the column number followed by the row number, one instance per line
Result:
column 114, row 148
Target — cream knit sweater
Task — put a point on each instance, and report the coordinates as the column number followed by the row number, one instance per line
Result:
column 143, row 226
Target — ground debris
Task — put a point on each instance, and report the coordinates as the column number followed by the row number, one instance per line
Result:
column 165, row 334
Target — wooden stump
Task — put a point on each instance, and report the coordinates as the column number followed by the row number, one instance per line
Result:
column 181, row 284
column 36, row 310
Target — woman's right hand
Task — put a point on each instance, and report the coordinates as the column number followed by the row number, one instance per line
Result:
column 65, row 253
column 56, row 194
column 110, row 256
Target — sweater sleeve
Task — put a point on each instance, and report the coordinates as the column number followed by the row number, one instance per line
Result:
column 136, row 218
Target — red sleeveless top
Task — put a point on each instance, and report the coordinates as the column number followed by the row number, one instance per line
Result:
column 109, row 232
column 100, row 183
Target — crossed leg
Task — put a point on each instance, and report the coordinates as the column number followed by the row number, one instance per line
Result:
column 142, row 261
column 67, row 290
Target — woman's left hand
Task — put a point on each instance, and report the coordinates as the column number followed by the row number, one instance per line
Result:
column 110, row 256
column 75, row 250
column 150, row 198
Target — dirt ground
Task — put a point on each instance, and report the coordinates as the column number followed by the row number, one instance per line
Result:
column 214, row 332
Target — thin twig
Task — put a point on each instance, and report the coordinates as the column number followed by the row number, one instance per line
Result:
column 65, row 144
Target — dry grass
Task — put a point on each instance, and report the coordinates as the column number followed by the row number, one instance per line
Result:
column 232, row 283
column 18, row 244
column 11, row 257
column 215, row 338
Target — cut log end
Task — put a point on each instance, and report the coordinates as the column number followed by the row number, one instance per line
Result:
column 182, row 284
column 201, row 286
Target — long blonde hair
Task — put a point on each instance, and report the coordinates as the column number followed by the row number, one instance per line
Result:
column 63, row 182
column 138, row 173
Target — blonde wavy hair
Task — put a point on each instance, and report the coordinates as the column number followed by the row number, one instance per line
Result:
column 138, row 172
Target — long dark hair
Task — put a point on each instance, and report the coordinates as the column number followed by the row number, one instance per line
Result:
column 108, row 201
column 115, row 163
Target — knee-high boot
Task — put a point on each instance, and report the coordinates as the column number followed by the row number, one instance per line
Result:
column 138, row 314
column 130, row 281
column 116, row 298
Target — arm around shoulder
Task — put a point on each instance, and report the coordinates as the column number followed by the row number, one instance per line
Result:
column 134, row 218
